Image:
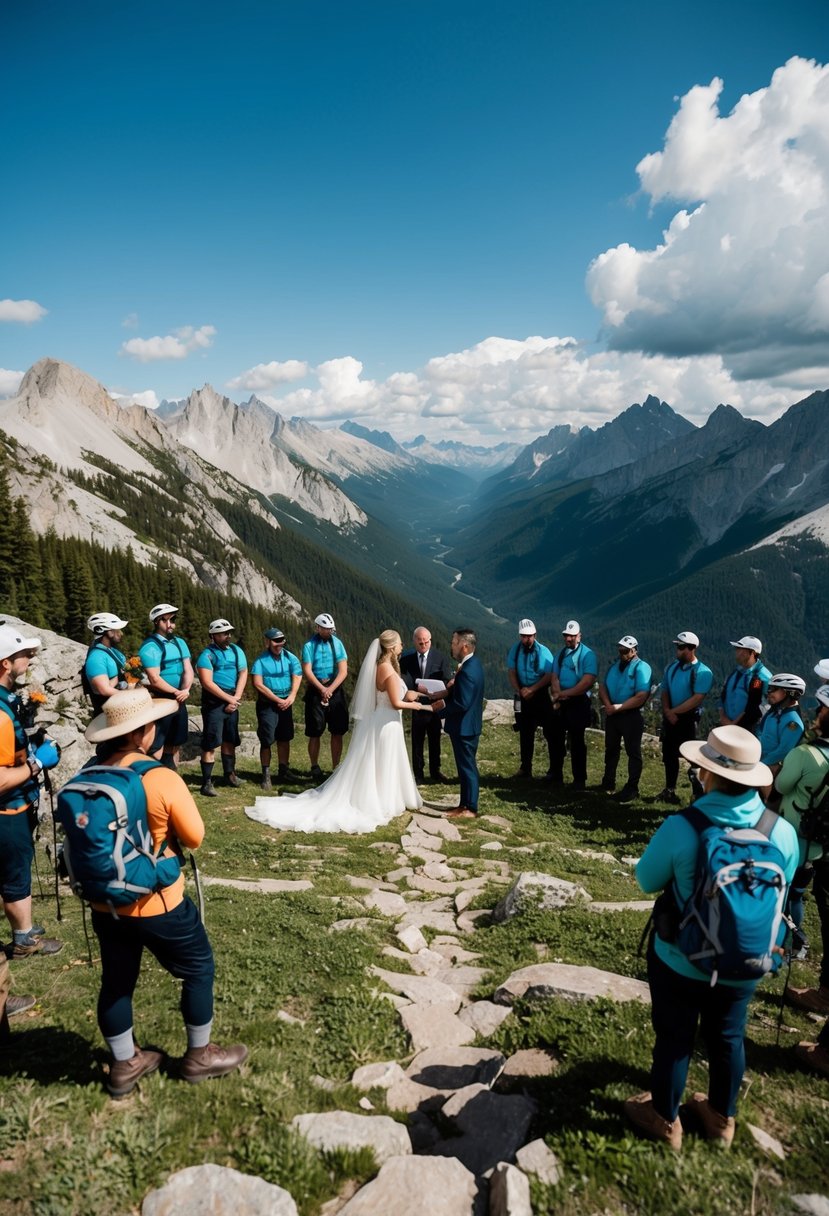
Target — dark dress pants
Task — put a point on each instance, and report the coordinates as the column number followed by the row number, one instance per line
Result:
column 674, row 733
column 628, row 728
column 535, row 711
column 426, row 727
column 568, row 724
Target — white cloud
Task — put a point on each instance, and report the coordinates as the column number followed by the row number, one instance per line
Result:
column 148, row 398
column 9, row 382
column 743, row 268
column 24, row 311
column 178, row 345
column 265, row 376
column 130, row 321
column 504, row 388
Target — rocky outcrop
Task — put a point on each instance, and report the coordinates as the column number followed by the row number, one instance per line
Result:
column 218, row 1190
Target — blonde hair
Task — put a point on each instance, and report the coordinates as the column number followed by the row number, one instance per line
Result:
column 388, row 639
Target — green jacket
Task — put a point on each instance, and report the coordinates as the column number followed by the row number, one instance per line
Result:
column 802, row 772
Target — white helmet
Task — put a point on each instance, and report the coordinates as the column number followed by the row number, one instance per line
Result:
column 526, row 626
column 822, row 695
column 822, row 669
column 101, row 622
column 788, row 683
column 220, row 626
column 161, row 610
column 325, row 621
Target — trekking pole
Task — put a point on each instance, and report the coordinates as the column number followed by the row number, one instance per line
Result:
column 199, row 892
column 47, row 783
column 790, row 934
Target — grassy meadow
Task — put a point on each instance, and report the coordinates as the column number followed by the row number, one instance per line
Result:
column 66, row 1149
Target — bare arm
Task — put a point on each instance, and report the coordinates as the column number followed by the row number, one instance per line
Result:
column 389, row 682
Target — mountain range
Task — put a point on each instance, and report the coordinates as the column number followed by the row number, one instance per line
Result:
column 647, row 524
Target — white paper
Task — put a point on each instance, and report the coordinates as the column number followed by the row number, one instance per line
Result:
column 430, row 686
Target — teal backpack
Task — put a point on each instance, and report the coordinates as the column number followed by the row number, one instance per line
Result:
column 108, row 848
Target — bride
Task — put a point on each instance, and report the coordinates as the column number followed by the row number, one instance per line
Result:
column 374, row 783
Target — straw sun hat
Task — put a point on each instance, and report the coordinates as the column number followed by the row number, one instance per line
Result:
column 126, row 710
column 732, row 752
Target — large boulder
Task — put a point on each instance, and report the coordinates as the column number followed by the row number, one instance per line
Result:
column 218, row 1190
column 341, row 1129
column 544, row 891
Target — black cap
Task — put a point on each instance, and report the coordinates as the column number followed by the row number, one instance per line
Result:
column 274, row 635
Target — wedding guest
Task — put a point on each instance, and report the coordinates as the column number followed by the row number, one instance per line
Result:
column 325, row 667
column 425, row 663
column 223, row 673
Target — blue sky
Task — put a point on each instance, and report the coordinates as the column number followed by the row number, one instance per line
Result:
column 377, row 204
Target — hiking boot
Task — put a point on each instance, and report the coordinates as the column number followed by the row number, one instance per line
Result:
column 234, row 779
column 316, row 772
column 287, row 774
column 648, row 1122
column 813, row 1056
column 24, row 947
column 553, row 778
column 208, row 789
column 669, row 796
column 813, row 1000
column 523, row 774
column 124, row 1075
column 266, row 781
column 18, row 1004
column 202, row 1063
column 714, row 1125
column 627, row 794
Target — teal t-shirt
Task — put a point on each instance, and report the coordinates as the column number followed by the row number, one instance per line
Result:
column 168, row 655
column 277, row 673
column 529, row 665
column 622, row 683
column 323, row 662
column 104, row 661
column 570, row 665
column 225, row 664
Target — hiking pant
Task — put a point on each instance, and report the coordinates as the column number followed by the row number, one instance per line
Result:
column 628, row 728
column 682, row 731
column 535, row 711
column 179, row 942
column 677, row 1005
column 567, row 725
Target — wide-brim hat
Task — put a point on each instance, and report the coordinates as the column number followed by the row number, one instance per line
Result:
column 732, row 752
column 126, row 710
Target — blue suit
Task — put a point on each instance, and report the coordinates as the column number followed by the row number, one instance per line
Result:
column 463, row 721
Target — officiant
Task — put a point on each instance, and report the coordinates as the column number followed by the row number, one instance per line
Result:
column 425, row 663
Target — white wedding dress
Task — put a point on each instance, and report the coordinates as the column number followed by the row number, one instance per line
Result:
column 373, row 784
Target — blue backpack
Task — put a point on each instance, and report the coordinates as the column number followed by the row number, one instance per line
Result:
column 108, row 848
column 731, row 922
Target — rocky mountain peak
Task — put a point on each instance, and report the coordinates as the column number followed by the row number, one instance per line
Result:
column 50, row 383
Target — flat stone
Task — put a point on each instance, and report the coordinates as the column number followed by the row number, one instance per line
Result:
column 492, row 1127
column 497, row 867
column 537, row 1159
column 394, row 998
column 218, row 1190
column 377, row 1076
column 365, row 1104
column 484, row 1017
column 410, row 1186
column 355, row 922
column 419, row 988
column 419, row 882
column 435, row 1026
column 473, row 884
column 412, row 939
column 425, row 962
column 468, row 922
column 398, row 874
column 509, row 1191
column 267, row 886
column 454, row 953
column 382, row 846
column 363, row 882
column 543, row 981
column 440, row 871
column 418, row 858
column 629, row 905
column 455, row 1068
column 769, row 1144
column 412, row 841
column 436, row 826
column 533, row 890
column 288, row 1018
column 337, row 1129
column 813, row 1205
column 409, row 1096
column 531, row 1064
column 492, row 846
column 386, row 902
column 463, row 978
column 592, row 855
column 434, row 913
column 497, row 821
column 463, row 899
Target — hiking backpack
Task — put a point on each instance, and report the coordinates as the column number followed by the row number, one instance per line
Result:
column 731, row 923
column 108, row 848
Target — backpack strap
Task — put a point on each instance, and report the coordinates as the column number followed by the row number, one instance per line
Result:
column 765, row 824
column 698, row 820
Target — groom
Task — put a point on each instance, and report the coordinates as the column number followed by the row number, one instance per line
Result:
column 462, row 716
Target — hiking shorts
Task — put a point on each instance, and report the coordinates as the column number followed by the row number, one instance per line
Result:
column 217, row 726
column 318, row 716
column 16, row 853
column 274, row 725
column 171, row 732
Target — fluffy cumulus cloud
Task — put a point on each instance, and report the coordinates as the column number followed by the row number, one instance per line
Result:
column 177, row 345
column 148, row 398
column 742, row 271
column 267, row 376
column 25, row 312
column 9, row 382
column 503, row 388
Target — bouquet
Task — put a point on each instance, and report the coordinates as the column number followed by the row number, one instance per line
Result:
column 133, row 672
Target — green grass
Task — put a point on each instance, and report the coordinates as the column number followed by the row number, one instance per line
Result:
column 67, row 1150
